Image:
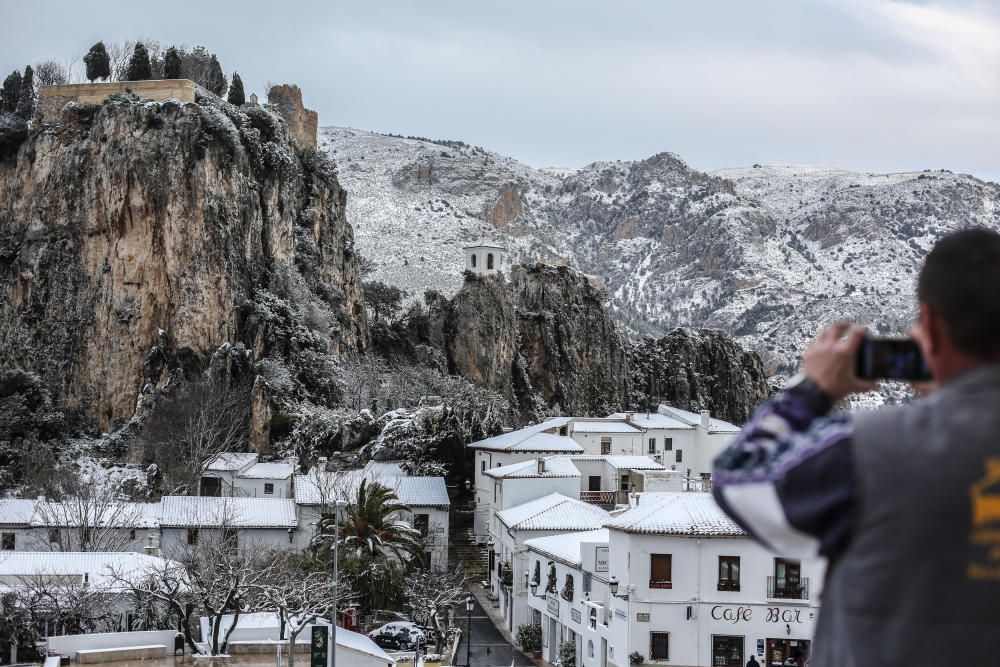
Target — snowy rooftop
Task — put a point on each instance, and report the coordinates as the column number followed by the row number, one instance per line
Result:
column 97, row 565
column 71, row 513
column 714, row 425
column 377, row 469
column 684, row 513
column 16, row 512
column 567, row 546
column 231, row 461
column 555, row 466
column 623, row 461
column 654, row 420
column 603, row 426
column 318, row 487
column 268, row 471
column 547, row 442
column 484, row 243
column 239, row 512
column 554, row 512
column 507, row 441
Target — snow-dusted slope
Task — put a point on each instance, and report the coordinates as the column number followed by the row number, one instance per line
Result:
column 767, row 253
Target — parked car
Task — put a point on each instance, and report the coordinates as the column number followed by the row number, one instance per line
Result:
column 397, row 635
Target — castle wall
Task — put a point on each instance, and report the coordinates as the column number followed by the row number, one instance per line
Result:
column 51, row 99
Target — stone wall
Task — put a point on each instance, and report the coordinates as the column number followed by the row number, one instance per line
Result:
column 52, row 99
column 302, row 123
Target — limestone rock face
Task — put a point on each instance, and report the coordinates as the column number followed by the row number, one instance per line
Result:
column 546, row 339
column 131, row 223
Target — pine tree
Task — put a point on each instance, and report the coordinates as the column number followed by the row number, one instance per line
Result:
column 216, row 82
column 26, row 98
column 98, row 63
column 11, row 91
column 172, row 64
column 236, row 95
column 138, row 66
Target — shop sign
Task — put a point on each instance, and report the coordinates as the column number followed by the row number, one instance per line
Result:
column 621, row 614
column 575, row 615
column 552, row 605
column 601, row 564
column 760, row 647
column 642, row 618
column 318, row 646
column 742, row 614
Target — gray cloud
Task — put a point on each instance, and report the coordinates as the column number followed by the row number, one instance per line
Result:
column 863, row 84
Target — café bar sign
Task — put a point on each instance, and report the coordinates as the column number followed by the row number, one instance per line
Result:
column 601, row 562
column 736, row 615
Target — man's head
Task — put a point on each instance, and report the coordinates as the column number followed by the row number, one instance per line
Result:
column 959, row 294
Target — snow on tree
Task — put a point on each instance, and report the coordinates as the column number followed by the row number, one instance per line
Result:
column 138, row 66
column 236, row 95
column 430, row 595
column 98, row 63
column 166, row 584
column 91, row 516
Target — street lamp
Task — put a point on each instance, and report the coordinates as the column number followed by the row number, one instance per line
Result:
column 469, row 604
column 468, row 485
column 533, row 585
column 332, row 649
column 613, row 587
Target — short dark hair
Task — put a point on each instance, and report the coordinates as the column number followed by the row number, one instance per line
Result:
column 960, row 283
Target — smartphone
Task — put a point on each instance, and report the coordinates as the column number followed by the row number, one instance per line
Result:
column 891, row 359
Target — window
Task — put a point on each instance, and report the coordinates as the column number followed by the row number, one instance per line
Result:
column 489, row 261
column 230, row 536
column 538, row 572
column 192, row 536
column 727, row 651
column 482, row 466
column 587, row 582
column 659, row 646
column 659, row 570
column 496, row 490
column 625, row 478
column 422, row 523
column 652, row 446
column 567, row 589
column 668, row 444
column 473, row 266
column 53, row 535
column 594, row 483
column 268, row 489
column 131, row 534
column 729, row 573
column 7, row 541
column 605, row 445
column 680, row 455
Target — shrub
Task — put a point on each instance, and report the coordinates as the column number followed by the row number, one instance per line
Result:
column 98, row 63
column 529, row 637
column 635, row 658
column 567, row 654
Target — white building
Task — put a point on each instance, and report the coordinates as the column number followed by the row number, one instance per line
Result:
column 679, row 583
column 266, row 522
column 553, row 514
column 484, row 257
column 427, row 498
column 57, row 573
column 241, row 474
column 15, row 524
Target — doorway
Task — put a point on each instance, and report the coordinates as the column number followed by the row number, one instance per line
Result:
column 780, row 651
column 727, row 651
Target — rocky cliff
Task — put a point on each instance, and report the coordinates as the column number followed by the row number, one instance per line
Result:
column 546, row 341
column 132, row 226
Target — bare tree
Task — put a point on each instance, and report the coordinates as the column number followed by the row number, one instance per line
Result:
column 165, row 583
column 120, row 53
column 430, row 595
column 298, row 597
column 49, row 72
column 91, row 516
column 188, row 431
column 65, row 603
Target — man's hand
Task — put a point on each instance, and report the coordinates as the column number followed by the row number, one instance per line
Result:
column 829, row 361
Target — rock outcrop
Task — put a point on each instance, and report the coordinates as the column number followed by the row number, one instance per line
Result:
column 546, row 340
column 129, row 223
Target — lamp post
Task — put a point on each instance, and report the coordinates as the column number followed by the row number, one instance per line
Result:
column 337, row 506
column 613, row 587
column 469, row 604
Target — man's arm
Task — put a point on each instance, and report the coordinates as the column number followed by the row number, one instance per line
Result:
column 788, row 478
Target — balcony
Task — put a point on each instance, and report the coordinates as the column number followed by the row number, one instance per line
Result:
column 660, row 583
column 787, row 588
column 605, row 498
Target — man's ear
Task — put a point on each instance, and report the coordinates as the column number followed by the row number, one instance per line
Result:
column 930, row 331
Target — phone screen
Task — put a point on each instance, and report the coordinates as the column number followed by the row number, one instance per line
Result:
column 891, row 359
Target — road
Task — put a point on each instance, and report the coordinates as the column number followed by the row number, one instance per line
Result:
column 489, row 648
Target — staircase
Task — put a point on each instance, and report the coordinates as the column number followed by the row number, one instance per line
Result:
column 462, row 547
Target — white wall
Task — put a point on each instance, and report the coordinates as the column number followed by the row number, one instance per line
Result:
column 174, row 540
column 254, row 488
column 621, row 443
column 70, row 644
column 482, row 257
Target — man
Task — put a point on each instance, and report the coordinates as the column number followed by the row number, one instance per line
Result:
column 905, row 500
column 752, row 662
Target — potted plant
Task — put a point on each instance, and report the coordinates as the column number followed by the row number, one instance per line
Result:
column 635, row 658
column 529, row 638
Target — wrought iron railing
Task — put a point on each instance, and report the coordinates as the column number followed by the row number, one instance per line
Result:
column 787, row 588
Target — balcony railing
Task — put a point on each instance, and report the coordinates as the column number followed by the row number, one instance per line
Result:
column 788, row 589
column 605, row 498
column 729, row 585
column 660, row 583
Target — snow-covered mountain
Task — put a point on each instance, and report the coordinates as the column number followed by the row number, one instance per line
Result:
column 766, row 253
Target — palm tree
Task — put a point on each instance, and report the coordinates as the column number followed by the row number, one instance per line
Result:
column 373, row 527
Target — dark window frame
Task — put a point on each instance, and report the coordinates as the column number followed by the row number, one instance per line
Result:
column 192, row 536
column 727, row 582
column 655, row 647
column 661, row 582
column 8, row 541
column 268, row 488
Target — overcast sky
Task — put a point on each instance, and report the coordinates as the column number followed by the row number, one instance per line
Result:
column 862, row 84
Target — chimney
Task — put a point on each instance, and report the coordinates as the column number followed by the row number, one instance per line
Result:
column 541, row 466
column 705, row 419
column 629, row 417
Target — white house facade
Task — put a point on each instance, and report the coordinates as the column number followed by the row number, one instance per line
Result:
column 484, row 257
